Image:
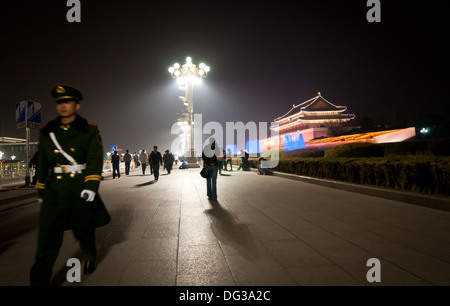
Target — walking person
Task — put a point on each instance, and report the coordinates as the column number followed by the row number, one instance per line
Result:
column 155, row 159
column 209, row 156
column 136, row 159
column 228, row 159
column 115, row 160
column 127, row 159
column 220, row 161
column 143, row 159
column 168, row 161
column 70, row 164
column 34, row 164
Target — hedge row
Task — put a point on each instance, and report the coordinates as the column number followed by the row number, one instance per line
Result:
column 436, row 147
column 422, row 174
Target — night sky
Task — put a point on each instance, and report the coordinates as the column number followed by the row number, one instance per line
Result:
column 264, row 56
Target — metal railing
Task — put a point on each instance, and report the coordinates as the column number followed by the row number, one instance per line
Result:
column 13, row 172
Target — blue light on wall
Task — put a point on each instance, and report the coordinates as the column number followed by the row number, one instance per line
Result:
column 252, row 146
column 293, row 142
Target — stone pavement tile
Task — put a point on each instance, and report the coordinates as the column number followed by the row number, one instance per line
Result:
column 110, row 269
column 410, row 238
column 156, row 249
column 240, row 206
column 295, row 253
column 145, row 204
column 162, row 230
column 191, row 204
column 257, row 217
column 15, row 268
column 430, row 269
column 250, row 263
column 160, row 272
column 192, row 212
column 102, row 233
column 170, row 202
column 347, row 257
column 391, row 275
column 190, row 197
column 270, row 231
column 294, row 224
column 22, row 279
column 166, row 214
column 138, row 220
column 322, row 275
column 206, row 279
column 435, row 225
column 256, row 268
column 199, row 259
column 196, row 235
column 321, row 239
column 121, row 240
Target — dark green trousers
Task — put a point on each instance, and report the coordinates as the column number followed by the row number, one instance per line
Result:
column 62, row 209
column 48, row 248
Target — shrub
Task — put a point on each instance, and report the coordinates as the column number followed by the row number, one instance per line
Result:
column 356, row 150
column 441, row 147
column 414, row 173
column 305, row 153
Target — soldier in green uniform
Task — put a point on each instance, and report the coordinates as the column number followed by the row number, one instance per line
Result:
column 69, row 174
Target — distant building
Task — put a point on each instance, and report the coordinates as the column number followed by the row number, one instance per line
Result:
column 313, row 113
column 16, row 147
column 308, row 120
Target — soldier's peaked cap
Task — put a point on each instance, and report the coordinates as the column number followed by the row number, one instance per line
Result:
column 64, row 92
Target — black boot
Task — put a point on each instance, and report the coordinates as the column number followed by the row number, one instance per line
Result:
column 89, row 267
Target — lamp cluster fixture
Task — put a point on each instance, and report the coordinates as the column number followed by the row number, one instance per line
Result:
column 189, row 72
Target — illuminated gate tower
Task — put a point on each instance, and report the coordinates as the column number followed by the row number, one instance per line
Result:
column 306, row 121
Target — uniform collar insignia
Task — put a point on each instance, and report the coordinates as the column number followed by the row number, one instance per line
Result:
column 79, row 123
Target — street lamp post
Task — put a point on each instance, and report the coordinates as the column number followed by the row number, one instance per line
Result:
column 187, row 76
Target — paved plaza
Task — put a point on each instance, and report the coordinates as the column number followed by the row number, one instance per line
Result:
column 262, row 231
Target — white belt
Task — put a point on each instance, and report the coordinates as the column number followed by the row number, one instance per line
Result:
column 69, row 168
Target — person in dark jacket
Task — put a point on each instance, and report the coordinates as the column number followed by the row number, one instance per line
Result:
column 245, row 164
column 155, row 159
column 127, row 159
column 209, row 155
column 34, row 163
column 168, row 161
column 115, row 161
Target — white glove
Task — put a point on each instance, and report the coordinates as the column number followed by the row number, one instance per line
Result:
column 88, row 195
column 39, row 200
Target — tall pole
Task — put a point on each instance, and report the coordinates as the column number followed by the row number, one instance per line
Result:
column 27, row 159
column 188, row 74
column 189, row 97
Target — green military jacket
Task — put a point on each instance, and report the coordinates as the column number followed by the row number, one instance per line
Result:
column 61, row 190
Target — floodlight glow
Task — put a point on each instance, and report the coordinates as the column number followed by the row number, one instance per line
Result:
column 187, row 76
column 424, row 130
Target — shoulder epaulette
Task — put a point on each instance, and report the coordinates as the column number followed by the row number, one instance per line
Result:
column 93, row 124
